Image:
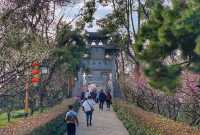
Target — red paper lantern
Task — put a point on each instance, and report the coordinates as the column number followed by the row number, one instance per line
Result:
column 35, row 84
column 34, row 72
column 35, row 64
column 34, row 80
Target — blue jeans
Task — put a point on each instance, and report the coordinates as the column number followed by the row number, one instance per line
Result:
column 89, row 117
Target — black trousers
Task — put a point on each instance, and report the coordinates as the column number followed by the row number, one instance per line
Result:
column 101, row 103
column 108, row 102
column 71, row 129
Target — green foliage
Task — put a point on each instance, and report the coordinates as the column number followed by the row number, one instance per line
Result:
column 133, row 126
column 114, row 21
column 19, row 40
column 197, row 48
column 4, row 120
column 15, row 116
column 65, row 37
column 89, row 11
column 162, row 77
column 195, row 67
column 54, row 127
column 14, row 38
column 114, row 25
column 86, row 70
column 70, row 48
column 169, row 29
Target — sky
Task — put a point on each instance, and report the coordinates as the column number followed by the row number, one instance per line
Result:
column 71, row 11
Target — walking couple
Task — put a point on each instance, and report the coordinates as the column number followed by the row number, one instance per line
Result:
column 104, row 97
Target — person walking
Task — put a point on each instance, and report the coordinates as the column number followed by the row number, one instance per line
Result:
column 102, row 99
column 88, row 108
column 93, row 94
column 72, row 120
column 82, row 96
column 97, row 97
column 87, row 93
column 108, row 99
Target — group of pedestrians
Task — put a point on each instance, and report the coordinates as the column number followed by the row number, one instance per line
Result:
column 99, row 97
column 104, row 97
column 88, row 100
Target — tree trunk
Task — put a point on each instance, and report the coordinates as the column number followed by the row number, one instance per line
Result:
column 132, row 20
column 41, row 100
column 123, row 63
column 9, row 115
column 32, row 108
column 139, row 15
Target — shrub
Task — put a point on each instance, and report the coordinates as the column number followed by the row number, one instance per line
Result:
column 56, row 126
column 133, row 126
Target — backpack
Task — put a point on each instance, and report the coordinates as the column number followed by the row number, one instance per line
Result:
column 71, row 117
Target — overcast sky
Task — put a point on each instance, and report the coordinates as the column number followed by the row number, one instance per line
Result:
column 71, row 11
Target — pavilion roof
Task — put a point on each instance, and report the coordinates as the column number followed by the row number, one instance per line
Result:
column 96, row 36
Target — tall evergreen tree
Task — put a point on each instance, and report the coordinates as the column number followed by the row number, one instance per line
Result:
column 169, row 30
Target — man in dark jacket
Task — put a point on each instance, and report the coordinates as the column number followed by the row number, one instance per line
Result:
column 93, row 95
column 102, row 99
column 82, row 96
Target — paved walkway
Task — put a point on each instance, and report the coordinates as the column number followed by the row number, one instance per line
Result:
column 104, row 123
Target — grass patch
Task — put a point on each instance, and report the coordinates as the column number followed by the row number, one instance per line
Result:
column 15, row 115
column 133, row 126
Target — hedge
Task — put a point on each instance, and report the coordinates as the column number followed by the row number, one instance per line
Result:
column 56, row 126
column 133, row 126
column 140, row 122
